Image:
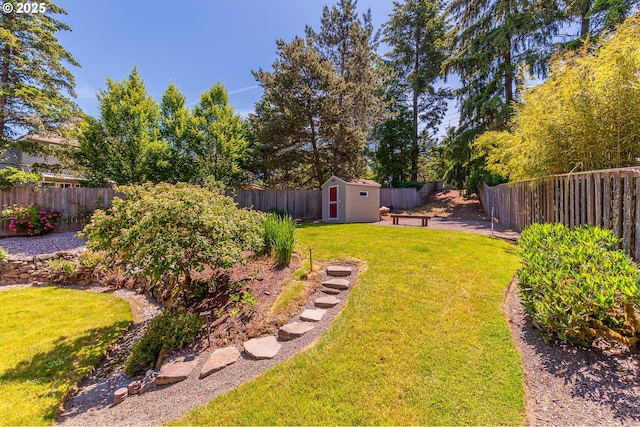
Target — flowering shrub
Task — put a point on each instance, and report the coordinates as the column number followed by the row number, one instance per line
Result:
column 32, row 219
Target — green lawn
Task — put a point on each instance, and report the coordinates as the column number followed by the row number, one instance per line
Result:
column 423, row 339
column 49, row 338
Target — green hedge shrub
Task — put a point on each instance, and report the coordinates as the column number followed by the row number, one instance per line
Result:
column 279, row 237
column 577, row 285
column 166, row 333
column 167, row 231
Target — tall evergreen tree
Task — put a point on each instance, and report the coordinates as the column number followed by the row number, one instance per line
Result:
column 34, row 80
column 124, row 146
column 349, row 43
column 416, row 33
column 221, row 145
column 177, row 130
column 293, row 122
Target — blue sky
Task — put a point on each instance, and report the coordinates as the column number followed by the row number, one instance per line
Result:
column 193, row 43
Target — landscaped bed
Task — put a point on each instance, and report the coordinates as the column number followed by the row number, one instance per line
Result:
column 423, row 339
column 49, row 339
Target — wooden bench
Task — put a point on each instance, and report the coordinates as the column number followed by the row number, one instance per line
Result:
column 424, row 218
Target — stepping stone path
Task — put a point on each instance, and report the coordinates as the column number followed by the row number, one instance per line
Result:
column 312, row 315
column 262, row 348
column 327, row 302
column 257, row 348
column 293, row 330
column 176, row 370
column 338, row 270
column 340, row 284
column 219, row 359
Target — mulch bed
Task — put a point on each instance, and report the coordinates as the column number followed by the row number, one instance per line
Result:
column 567, row 385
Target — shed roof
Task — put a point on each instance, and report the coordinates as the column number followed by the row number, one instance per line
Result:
column 353, row 181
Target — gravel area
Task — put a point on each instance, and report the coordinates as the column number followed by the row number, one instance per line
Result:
column 36, row 245
column 457, row 224
column 164, row 403
column 568, row 385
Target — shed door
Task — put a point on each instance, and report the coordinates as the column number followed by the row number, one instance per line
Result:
column 333, row 202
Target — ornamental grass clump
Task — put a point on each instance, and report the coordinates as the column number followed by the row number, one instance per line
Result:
column 577, row 285
column 279, row 237
column 31, row 219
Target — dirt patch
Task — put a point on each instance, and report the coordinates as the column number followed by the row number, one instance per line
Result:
column 452, row 204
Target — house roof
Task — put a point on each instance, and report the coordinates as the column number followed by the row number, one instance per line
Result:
column 353, row 181
column 48, row 140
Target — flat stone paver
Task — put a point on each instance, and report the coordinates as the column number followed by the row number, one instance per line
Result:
column 219, row 359
column 312, row 315
column 176, row 370
column 293, row 330
column 331, row 291
column 338, row 270
column 262, row 348
column 341, row 284
column 326, row 302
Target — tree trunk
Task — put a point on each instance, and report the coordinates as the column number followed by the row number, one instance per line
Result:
column 415, row 147
column 4, row 80
column 316, row 154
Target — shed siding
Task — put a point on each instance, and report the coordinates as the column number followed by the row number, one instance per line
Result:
column 362, row 209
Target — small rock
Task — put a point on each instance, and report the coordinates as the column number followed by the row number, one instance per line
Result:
column 120, row 395
column 149, row 381
column 341, row 284
column 176, row 370
column 312, row 315
column 134, row 387
column 293, row 330
column 219, row 359
column 331, row 291
column 338, row 270
column 329, row 301
column 262, row 348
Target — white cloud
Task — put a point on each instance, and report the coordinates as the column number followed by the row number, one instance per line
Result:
column 243, row 89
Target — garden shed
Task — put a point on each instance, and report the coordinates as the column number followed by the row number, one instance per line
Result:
column 350, row 200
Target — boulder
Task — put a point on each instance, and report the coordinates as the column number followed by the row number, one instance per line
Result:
column 312, row 315
column 341, row 284
column 219, row 359
column 262, row 348
column 293, row 330
column 338, row 270
column 326, row 302
column 177, row 370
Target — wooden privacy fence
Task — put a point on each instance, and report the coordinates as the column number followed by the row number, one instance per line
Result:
column 606, row 198
column 70, row 201
column 304, row 204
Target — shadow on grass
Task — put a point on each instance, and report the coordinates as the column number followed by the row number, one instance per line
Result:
column 64, row 365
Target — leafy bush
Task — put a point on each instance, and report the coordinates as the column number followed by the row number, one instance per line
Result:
column 279, row 237
column 411, row 184
column 4, row 255
column 170, row 230
column 89, row 260
column 32, row 219
column 64, row 266
column 577, row 285
column 166, row 333
column 11, row 177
